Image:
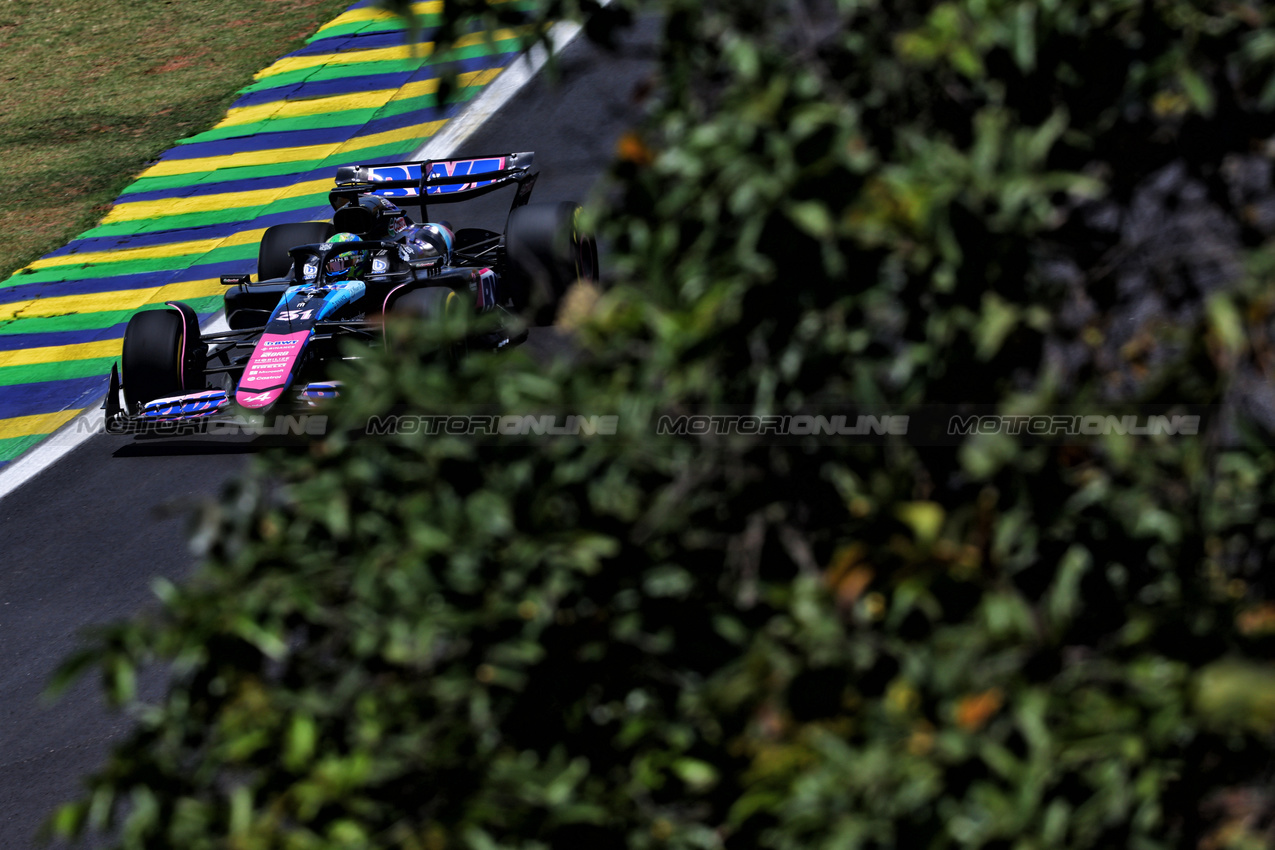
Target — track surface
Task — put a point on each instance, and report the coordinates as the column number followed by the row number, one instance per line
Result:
column 81, row 542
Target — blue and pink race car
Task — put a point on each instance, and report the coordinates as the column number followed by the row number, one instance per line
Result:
column 320, row 282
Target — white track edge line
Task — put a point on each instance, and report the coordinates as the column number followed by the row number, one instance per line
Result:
column 460, row 127
column 89, row 423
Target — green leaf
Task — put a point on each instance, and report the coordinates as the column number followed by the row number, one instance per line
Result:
column 1236, row 694
column 997, row 319
column 1025, row 37
column 924, row 518
column 1197, row 91
column 1226, row 325
column 813, row 217
column 301, row 742
column 699, row 776
column 1064, row 600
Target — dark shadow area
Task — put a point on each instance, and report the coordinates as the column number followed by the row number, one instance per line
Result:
column 193, row 447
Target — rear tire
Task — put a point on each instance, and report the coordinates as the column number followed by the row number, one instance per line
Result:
column 152, row 357
column 273, row 260
column 545, row 254
column 426, row 303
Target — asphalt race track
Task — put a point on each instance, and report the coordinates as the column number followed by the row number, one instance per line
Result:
column 81, row 542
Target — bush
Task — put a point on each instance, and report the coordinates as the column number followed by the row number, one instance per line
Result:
column 728, row 640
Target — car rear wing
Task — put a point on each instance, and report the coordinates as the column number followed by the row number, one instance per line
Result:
column 441, row 181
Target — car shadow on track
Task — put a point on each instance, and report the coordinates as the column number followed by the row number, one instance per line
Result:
column 168, row 447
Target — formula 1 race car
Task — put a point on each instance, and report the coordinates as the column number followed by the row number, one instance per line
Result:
column 321, row 282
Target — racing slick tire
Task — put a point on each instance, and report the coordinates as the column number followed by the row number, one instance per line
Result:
column 545, row 253
column 273, row 260
column 152, row 357
column 429, row 302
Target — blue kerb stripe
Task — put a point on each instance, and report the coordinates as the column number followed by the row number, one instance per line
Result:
column 16, row 342
column 45, row 396
column 211, row 231
column 325, row 88
column 228, row 186
column 360, row 41
column 195, row 149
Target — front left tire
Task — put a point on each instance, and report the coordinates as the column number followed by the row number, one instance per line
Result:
column 152, row 357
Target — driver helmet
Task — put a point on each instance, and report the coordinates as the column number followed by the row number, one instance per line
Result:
column 346, row 265
column 434, row 239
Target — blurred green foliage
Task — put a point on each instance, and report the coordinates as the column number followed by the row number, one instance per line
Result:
column 724, row 641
